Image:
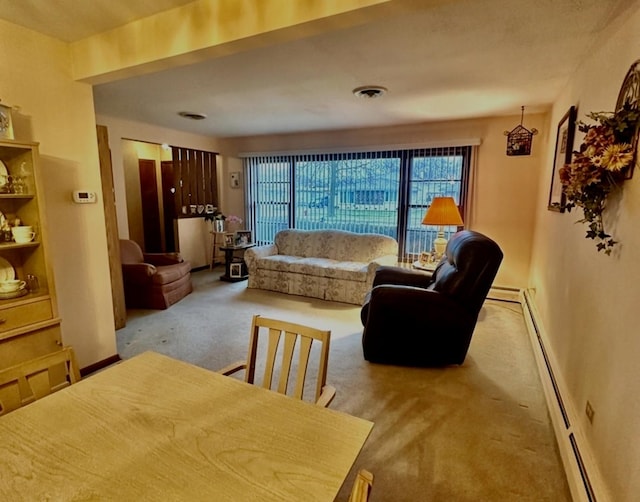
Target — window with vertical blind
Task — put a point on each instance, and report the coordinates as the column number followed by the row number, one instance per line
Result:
column 385, row 192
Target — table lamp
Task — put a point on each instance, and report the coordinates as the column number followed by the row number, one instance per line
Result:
column 442, row 211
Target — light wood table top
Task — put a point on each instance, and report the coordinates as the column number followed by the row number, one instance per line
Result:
column 154, row 428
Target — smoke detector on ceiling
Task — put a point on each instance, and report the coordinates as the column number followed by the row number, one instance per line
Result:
column 369, row 91
column 192, row 115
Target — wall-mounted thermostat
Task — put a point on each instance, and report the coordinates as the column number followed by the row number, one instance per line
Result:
column 84, row 197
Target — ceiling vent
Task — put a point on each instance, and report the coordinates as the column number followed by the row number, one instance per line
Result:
column 192, row 116
column 369, row 91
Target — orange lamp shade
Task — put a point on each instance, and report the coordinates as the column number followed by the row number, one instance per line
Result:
column 442, row 211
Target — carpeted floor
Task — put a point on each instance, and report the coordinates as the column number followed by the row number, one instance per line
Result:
column 478, row 432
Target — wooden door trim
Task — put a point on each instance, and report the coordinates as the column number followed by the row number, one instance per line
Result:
column 111, row 224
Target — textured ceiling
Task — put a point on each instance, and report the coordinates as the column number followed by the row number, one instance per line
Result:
column 450, row 60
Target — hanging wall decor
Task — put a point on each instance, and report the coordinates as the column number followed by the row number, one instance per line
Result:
column 519, row 139
column 604, row 160
column 629, row 97
column 564, row 149
column 6, row 124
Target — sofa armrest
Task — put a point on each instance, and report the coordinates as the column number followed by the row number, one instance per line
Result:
column 252, row 255
column 162, row 259
column 388, row 260
column 137, row 273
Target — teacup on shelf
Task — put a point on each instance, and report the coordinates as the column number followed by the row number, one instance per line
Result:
column 11, row 285
column 23, row 234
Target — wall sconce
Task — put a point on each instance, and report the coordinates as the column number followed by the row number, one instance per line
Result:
column 519, row 139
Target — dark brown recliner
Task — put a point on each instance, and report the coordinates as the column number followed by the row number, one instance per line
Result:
column 153, row 280
column 412, row 319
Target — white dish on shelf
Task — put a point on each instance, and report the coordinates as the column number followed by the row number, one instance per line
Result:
column 4, row 175
column 13, row 294
column 7, row 272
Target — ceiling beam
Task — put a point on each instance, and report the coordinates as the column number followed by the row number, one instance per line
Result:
column 206, row 29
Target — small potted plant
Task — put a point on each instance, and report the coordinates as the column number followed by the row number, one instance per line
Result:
column 217, row 218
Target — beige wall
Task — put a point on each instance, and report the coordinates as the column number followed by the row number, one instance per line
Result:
column 589, row 301
column 58, row 113
column 505, row 188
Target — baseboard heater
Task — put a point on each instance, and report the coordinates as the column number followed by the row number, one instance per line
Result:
column 576, row 467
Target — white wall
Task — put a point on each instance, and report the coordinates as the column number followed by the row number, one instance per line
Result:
column 589, row 301
column 58, row 113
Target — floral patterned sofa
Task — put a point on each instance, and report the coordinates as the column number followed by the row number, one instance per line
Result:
column 328, row 264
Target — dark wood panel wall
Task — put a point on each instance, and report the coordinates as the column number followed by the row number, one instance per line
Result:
column 195, row 181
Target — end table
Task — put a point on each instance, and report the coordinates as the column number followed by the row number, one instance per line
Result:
column 235, row 269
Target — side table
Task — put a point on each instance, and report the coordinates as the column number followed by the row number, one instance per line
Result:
column 235, row 269
column 217, row 256
column 427, row 268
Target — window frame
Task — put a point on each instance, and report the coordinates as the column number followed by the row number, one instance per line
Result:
column 406, row 158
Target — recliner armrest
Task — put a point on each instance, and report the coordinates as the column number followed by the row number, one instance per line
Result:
column 415, row 326
column 401, row 276
column 407, row 302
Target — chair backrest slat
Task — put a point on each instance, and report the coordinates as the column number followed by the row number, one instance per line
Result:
column 292, row 334
column 303, row 361
column 287, row 357
column 36, row 378
column 274, row 341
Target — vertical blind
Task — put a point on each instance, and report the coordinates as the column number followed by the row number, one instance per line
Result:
column 386, row 192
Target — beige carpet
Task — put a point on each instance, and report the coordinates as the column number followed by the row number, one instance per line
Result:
column 479, row 432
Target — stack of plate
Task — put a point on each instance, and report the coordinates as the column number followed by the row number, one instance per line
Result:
column 4, row 177
column 8, row 273
column 13, row 294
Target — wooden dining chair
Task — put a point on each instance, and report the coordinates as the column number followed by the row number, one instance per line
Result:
column 292, row 334
column 33, row 379
column 361, row 487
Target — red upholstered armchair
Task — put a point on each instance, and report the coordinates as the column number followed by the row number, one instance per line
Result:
column 153, row 280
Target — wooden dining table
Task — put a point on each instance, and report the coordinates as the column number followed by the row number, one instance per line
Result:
column 155, row 428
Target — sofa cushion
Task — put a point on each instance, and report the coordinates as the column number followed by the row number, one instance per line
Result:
column 277, row 262
column 337, row 245
column 317, row 267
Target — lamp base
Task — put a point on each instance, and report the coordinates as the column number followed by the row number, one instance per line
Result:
column 440, row 244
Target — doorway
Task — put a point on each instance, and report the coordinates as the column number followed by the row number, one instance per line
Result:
column 150, row 207
column 148, row 182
